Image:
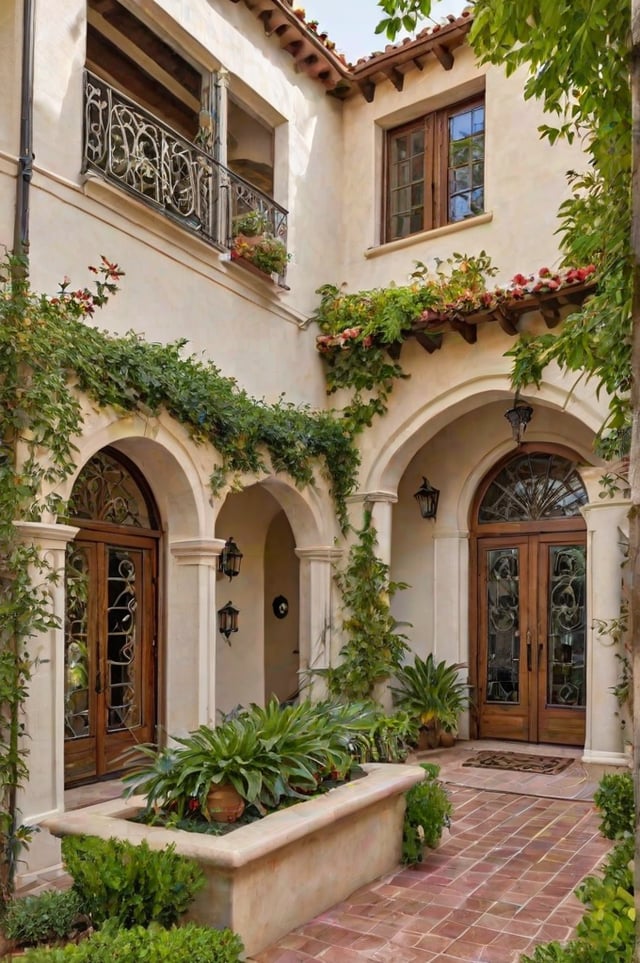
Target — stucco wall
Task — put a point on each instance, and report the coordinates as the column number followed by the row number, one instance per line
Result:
column 524, row 177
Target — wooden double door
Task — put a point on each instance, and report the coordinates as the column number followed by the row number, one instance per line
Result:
column 110, row 652
column 531, row 636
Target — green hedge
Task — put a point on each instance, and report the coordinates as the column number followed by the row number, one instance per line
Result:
column 186, row 944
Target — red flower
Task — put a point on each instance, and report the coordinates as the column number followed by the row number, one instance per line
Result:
column 519, row 279
column 544, row 272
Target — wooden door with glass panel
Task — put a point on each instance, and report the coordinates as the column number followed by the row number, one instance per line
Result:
column 533, row 636
column 529, row 602
column 110, row 624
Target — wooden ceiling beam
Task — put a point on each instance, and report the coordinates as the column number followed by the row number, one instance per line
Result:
column 396, row 78
column 444, row 55
column 468, row 331
column 430, row 342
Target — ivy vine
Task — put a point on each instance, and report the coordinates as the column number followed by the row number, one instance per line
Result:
column 374, row 646
column 49, row 345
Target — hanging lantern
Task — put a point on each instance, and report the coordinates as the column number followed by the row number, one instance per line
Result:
column 228, row 620
column 427, row 498
column 230, row 559
column 519, row 417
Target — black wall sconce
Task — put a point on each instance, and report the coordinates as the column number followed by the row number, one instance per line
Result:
column 427, row 498
column 230, row 559
column 228, row 620
column 519, row 417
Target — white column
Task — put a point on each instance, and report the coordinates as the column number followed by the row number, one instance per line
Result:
column 43, row 794
column 189, row 678
column 606, row 522
column 317, row 611
column 450, row 603
column 381, row 504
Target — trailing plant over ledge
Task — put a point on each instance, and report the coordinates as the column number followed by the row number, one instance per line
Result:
column 360, row 330
column 374, row 647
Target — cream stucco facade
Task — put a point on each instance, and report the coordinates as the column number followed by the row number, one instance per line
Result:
column 446, row 421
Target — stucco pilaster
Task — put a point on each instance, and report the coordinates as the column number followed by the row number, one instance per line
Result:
column 43, row 796
column 450, row 600
column 606, row 522
column 317, row 609
column 192, row 631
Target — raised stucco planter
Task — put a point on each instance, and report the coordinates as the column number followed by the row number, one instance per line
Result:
column 265, row 879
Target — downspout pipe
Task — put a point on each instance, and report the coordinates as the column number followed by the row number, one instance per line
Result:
column 26, row 156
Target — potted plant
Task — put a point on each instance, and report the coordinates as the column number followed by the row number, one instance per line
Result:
column 251, row 224
column 267, row 253
column 433, row 693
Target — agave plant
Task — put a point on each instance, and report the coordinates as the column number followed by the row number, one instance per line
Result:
column 432, row 692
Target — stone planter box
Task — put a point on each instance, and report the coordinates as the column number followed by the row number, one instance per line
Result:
column 265, row 879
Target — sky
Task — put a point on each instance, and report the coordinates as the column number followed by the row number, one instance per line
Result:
column 351, row 23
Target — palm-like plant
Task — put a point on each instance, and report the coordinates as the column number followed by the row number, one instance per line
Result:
column 432, row 692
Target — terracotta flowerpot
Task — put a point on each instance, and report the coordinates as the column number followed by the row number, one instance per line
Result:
column 428, row 738
column 224, row 804
column 447, row 739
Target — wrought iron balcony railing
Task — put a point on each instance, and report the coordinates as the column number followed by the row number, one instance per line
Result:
column 132, row 148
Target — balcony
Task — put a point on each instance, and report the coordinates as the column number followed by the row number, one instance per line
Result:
column 131, row 148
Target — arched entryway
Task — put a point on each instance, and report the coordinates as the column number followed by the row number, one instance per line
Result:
column 528, row 594
column 110, row 620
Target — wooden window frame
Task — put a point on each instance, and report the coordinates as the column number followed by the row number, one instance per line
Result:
column 436, row 165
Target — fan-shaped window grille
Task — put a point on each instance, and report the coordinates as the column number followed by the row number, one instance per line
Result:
column 532, row 487
column 106, row 491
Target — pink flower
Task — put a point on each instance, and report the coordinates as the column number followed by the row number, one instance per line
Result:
column 519, row 279
column 544, row 272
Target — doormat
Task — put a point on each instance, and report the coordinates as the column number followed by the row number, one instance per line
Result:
column 519, row 762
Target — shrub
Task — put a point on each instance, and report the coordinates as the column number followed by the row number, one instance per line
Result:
column 133, row 885
column 185, row 944
column 43, row 918
column 614, row 799
column 606, row 932
column 428, row 811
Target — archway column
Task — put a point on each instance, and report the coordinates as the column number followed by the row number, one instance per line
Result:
column 381, row 505
column 189, row 676
column 606, row 527
column 317, row 612
column 450, row 602
column 43, row 795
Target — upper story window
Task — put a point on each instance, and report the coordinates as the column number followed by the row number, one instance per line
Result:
column 435, row 170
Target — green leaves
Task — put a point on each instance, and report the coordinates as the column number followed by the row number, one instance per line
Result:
column 402, row 14
column 577, row 59
column 131, row 885
column 374, row 646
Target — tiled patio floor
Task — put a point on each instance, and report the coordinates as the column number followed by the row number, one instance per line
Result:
column 501, row 881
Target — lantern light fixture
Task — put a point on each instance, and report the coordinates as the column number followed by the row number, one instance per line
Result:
column 230, row 559
column 228, row 620
column 519, row 417
column 427, row 498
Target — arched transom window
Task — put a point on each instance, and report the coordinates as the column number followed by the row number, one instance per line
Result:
column 106, row 491
column 532, row 487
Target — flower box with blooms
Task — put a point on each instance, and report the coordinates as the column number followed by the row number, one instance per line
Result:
column 266, row 252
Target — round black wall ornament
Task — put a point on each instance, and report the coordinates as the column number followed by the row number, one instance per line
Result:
column 280, row 607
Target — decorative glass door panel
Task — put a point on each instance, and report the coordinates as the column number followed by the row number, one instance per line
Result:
column 502, row 671
column 503, row 628
column 109, row 653
column 124, row 658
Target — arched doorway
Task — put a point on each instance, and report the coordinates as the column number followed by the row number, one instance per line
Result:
column 110, row 619
column 528, row 612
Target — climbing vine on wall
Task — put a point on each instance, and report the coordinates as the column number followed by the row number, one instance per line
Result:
column 50, row 354
column 374, row 646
